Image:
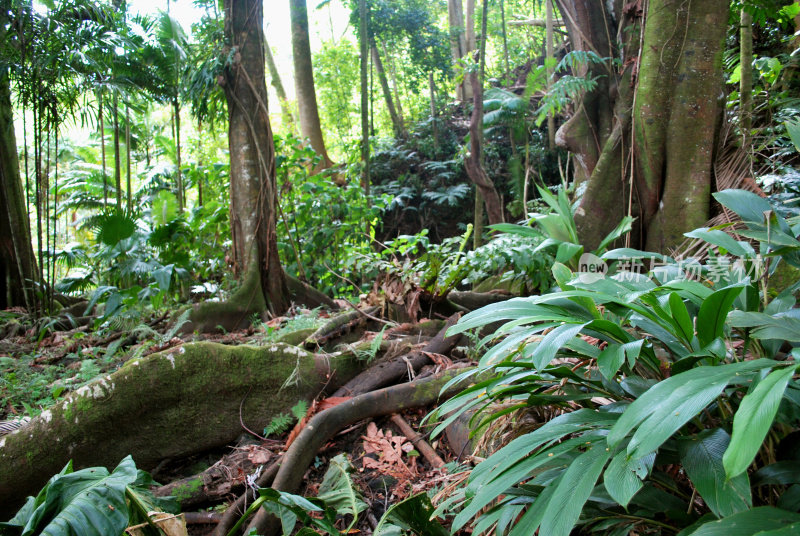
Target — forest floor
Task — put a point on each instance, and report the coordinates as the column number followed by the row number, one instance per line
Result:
column 390, row 464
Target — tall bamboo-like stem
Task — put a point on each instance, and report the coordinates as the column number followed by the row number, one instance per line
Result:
column 128, row 188
column 551, row 123
column 117, row 157
column 102, row 144
column 362, row 34
column 505, row 36
column 746, row 75
column 178, row 177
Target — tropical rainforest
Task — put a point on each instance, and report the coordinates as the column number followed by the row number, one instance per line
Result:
column 435, row 267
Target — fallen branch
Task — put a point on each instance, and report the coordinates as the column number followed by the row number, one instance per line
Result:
column 323, row 426
column 215, row 483
column 417, row 440
column 237, row 508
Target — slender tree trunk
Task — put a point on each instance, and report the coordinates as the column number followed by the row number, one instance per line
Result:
column 275, row 78
column 117, row 154
column 397, row 125
column 176, row 105
column 505, row 36
column 551, row 123
column 201, row 175
column 746, row 75
column 102, row 145
column 304, row 82
column 363, row 45
column 128, row 187
column 458, row 45
column 253, row 190
column 474, row 162
column 434, row 127
column 395, row 87
column 18, row 268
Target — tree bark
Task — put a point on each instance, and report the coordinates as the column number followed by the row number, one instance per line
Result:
column 252, row 153
column 474, row 162
column 655, row 163
column 745, row 74
column 365, row 91
column 18, row 266
column 458, row 44
column 304, row 82
column 397, row 124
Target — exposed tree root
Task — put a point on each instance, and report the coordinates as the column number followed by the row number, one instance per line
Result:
column 389, row 372
column 237, row 508
column 171, row 404
column 218, row 481
column 323, row 426
column 475, row 300
column 339, row 324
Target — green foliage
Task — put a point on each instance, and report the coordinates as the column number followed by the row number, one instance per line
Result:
column 322, row 226
column 278, row 425
column 91, row 501
column 660, row 388
column 337, row 496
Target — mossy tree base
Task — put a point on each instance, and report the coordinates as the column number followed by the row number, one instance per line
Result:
column 171, row 404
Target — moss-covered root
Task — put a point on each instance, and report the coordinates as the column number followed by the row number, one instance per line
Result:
column 323, row 426
column 235, row 313
column 171, row 404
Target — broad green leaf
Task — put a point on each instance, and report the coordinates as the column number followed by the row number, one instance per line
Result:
column 622, row 228
column 529, row 522
column 668, row 395
column 714, row 311
column 163, row 277
column 412, row 514
column 753, row 420
column 749, row 522
column 681, row 317
column 788, row 530
column 764, row 326
column 718, row 238
column 573, row 490
column 520, row 230
column 701, row 457
column 552, row 342
column 749, row 206
column 562, row 275
column 623, row 477
column 610, row 360
column 780, row 473
column 87, row 502
column 337, row 489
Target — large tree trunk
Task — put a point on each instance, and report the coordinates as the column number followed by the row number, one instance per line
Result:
column 252, row 152
column 18, row 268
column 663, row 177
column 458, row 44
column 304, row 82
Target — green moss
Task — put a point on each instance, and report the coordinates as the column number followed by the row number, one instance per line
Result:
column 185, row 491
